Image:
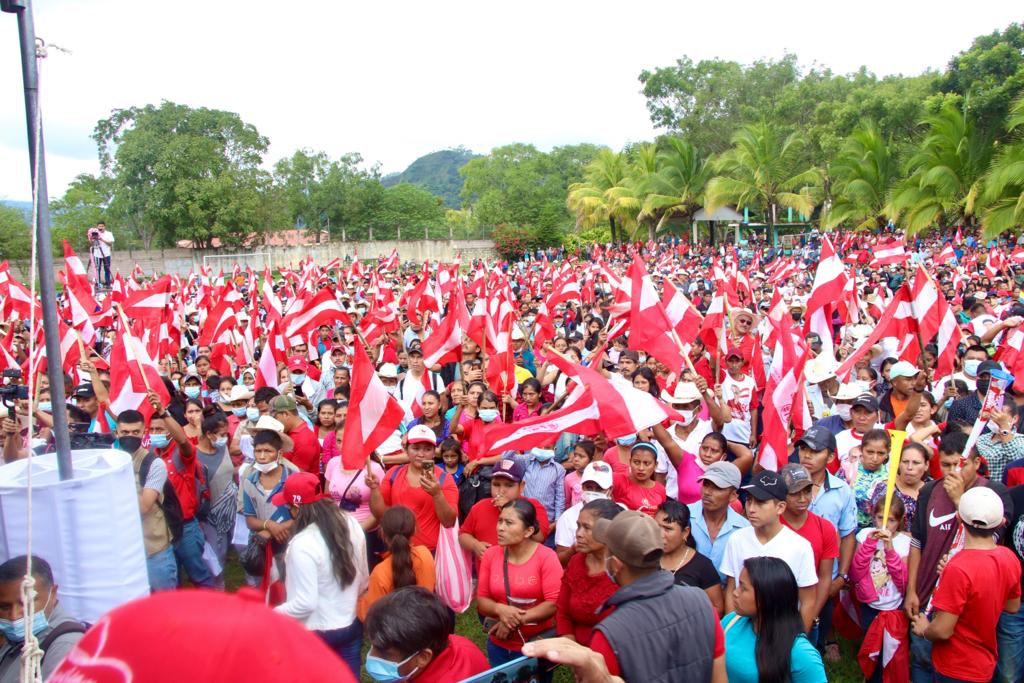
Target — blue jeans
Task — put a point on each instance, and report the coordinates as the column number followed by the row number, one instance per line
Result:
column 162, row 570
column 347, row 643
column 921, row 669
column 189, row 552
column 1010, row 635
column 103, row 267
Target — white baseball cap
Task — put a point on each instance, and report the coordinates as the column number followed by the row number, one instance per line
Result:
column 422, row 434
column 981, row 508
column 598, row 472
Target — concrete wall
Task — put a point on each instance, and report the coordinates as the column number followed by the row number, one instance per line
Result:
column 181, row 261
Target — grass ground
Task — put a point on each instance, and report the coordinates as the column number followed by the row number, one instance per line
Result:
column 467, row 624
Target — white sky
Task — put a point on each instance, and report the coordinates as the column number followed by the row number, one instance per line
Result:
column 396, row 80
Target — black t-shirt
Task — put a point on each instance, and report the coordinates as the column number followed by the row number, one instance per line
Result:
column 698, row 572
column 1014, row 536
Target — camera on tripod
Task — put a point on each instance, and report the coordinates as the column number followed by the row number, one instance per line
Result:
column 94, row 234
column 10, row 393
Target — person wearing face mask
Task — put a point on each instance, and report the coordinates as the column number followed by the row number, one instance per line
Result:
column 409, row 639
column 307, row 449
column 479, row 531
column 596, row 483
column 585, row 584
column 264, row 479
column 306, row 393
column 213, row 453
column 968, row 408
column 688, row 400
column 487, row 412
column 150, row 482
column 234, row 403
column 842, row 403
column 56, row 630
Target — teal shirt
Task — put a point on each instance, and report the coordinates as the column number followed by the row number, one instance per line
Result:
column 805, row 665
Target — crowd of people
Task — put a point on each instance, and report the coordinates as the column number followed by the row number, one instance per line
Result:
column 837, row 454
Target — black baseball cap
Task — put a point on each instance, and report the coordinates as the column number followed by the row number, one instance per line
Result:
column 866, row 401
column 84, row 391
column 818, row 438
column 767, row 485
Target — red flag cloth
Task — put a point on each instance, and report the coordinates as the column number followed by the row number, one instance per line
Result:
column 888, row 251
column 651, row 329
column 218, row 324
column 149, row 304
column 579, row 415
column 935, row 319
column 1011, row 354
column 132, row 374
column 444, row 345
column 886, row 644
column 783, row 387
column 373, row 413
column 322, row 309
column 682, row 314
column 829, row 282
column 76, row 272
column 266, row 370
column 946, row 255
column 896, row 321
column 623, row 409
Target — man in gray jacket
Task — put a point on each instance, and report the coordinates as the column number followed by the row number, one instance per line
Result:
column 56, row 630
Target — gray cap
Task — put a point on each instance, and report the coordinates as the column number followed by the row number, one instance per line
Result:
column 722, row 474
column 796, row 477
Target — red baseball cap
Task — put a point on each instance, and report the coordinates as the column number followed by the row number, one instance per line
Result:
column 734, row 351
column 213, row 636
column 301, row 488
column 296, row 363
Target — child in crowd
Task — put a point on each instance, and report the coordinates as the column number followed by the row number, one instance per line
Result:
column 879, row 573
column 862, row 471
column 451, row 459
column 582, row 455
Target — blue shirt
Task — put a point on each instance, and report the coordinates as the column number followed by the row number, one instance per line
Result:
column 699, row 530
column 836, row 503
column 545, row 483
column 805, row 665
column 251, row 507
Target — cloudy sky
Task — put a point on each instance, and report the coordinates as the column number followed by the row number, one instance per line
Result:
column 399, row 79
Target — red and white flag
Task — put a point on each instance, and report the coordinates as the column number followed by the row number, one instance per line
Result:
column 149, row 304
column 579, row 415
column 783, row 395
column 373, row 413
column 946, row 255
column 935, row 319
column 75, row 270
column 888, row 251
column 829, row 283
column 650, row 327
column 683, row 316
column 132, row 374
column 322, row 309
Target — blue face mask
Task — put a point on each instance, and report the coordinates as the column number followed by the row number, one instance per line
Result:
column 240, row 412
column 386, row 671
column 159, row 440
column 221, row 441
column 627, row 440
column 175, row 384
column 971, row 367
column 488, row 414
column 46, row 406
column 253, row 414
column 14, row 631
column 192, row 392
column 298, row 378
column 542, row 454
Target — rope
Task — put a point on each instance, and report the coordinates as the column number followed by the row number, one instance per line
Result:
column 31, row 653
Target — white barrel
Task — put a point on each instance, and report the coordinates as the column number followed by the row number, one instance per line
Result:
column 88, row 528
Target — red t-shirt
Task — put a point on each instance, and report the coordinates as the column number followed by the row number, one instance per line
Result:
column 537, row 580
column 395, row 490
column 183, row 479
column 974, row 586
column 822, row 536
column 636, row 497
column 580, row 600
column 482, row 521
column 462, row 659
column 601, row 645
column 306, row 454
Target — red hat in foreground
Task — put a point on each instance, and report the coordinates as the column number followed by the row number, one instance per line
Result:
column 199, row 635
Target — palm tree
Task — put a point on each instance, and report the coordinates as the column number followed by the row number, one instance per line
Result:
column 944, row 174
column 605, row 194
column 763, row 169
column 1002, row 199
column 677, row 188
column 861, row 176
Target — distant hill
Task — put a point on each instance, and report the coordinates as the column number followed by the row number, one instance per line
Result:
column 26, row 207
column 437, row 172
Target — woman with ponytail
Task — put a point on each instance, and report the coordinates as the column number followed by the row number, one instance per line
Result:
column 325, row 567
column 404, row 564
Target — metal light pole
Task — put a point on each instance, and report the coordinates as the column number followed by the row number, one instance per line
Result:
column 47, row 290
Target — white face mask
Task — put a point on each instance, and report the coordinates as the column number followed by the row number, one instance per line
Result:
column 688, row 416
column 843, row 411
column 266, row 467
column 591, row 496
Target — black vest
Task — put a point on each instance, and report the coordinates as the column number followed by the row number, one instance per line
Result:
column 661, row 632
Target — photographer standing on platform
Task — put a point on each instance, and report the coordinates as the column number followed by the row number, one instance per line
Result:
column 101, row 243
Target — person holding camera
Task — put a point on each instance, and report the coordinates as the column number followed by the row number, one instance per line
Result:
column 101, row 244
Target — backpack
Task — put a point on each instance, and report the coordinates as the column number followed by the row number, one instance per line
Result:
column 62, row 629
column 171, row 505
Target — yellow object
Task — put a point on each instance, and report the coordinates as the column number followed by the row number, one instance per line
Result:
column 897, row 438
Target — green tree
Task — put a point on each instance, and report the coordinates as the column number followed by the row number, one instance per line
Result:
column 944, row 174
column 184, row 173
column 300, row 178
column 409, row 210
column 1002, row 199
column 861, row 177
column 15, row 234
column 605, row 194
column 676, row 189
column 989, row 76
column 763, row 170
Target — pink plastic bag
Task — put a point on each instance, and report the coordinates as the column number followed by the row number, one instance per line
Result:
column 453, row 570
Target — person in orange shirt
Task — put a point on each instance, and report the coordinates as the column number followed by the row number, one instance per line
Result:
column 403, row 565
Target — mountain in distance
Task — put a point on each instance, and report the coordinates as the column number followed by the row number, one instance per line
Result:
column 437, row 172
column 24, row 207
